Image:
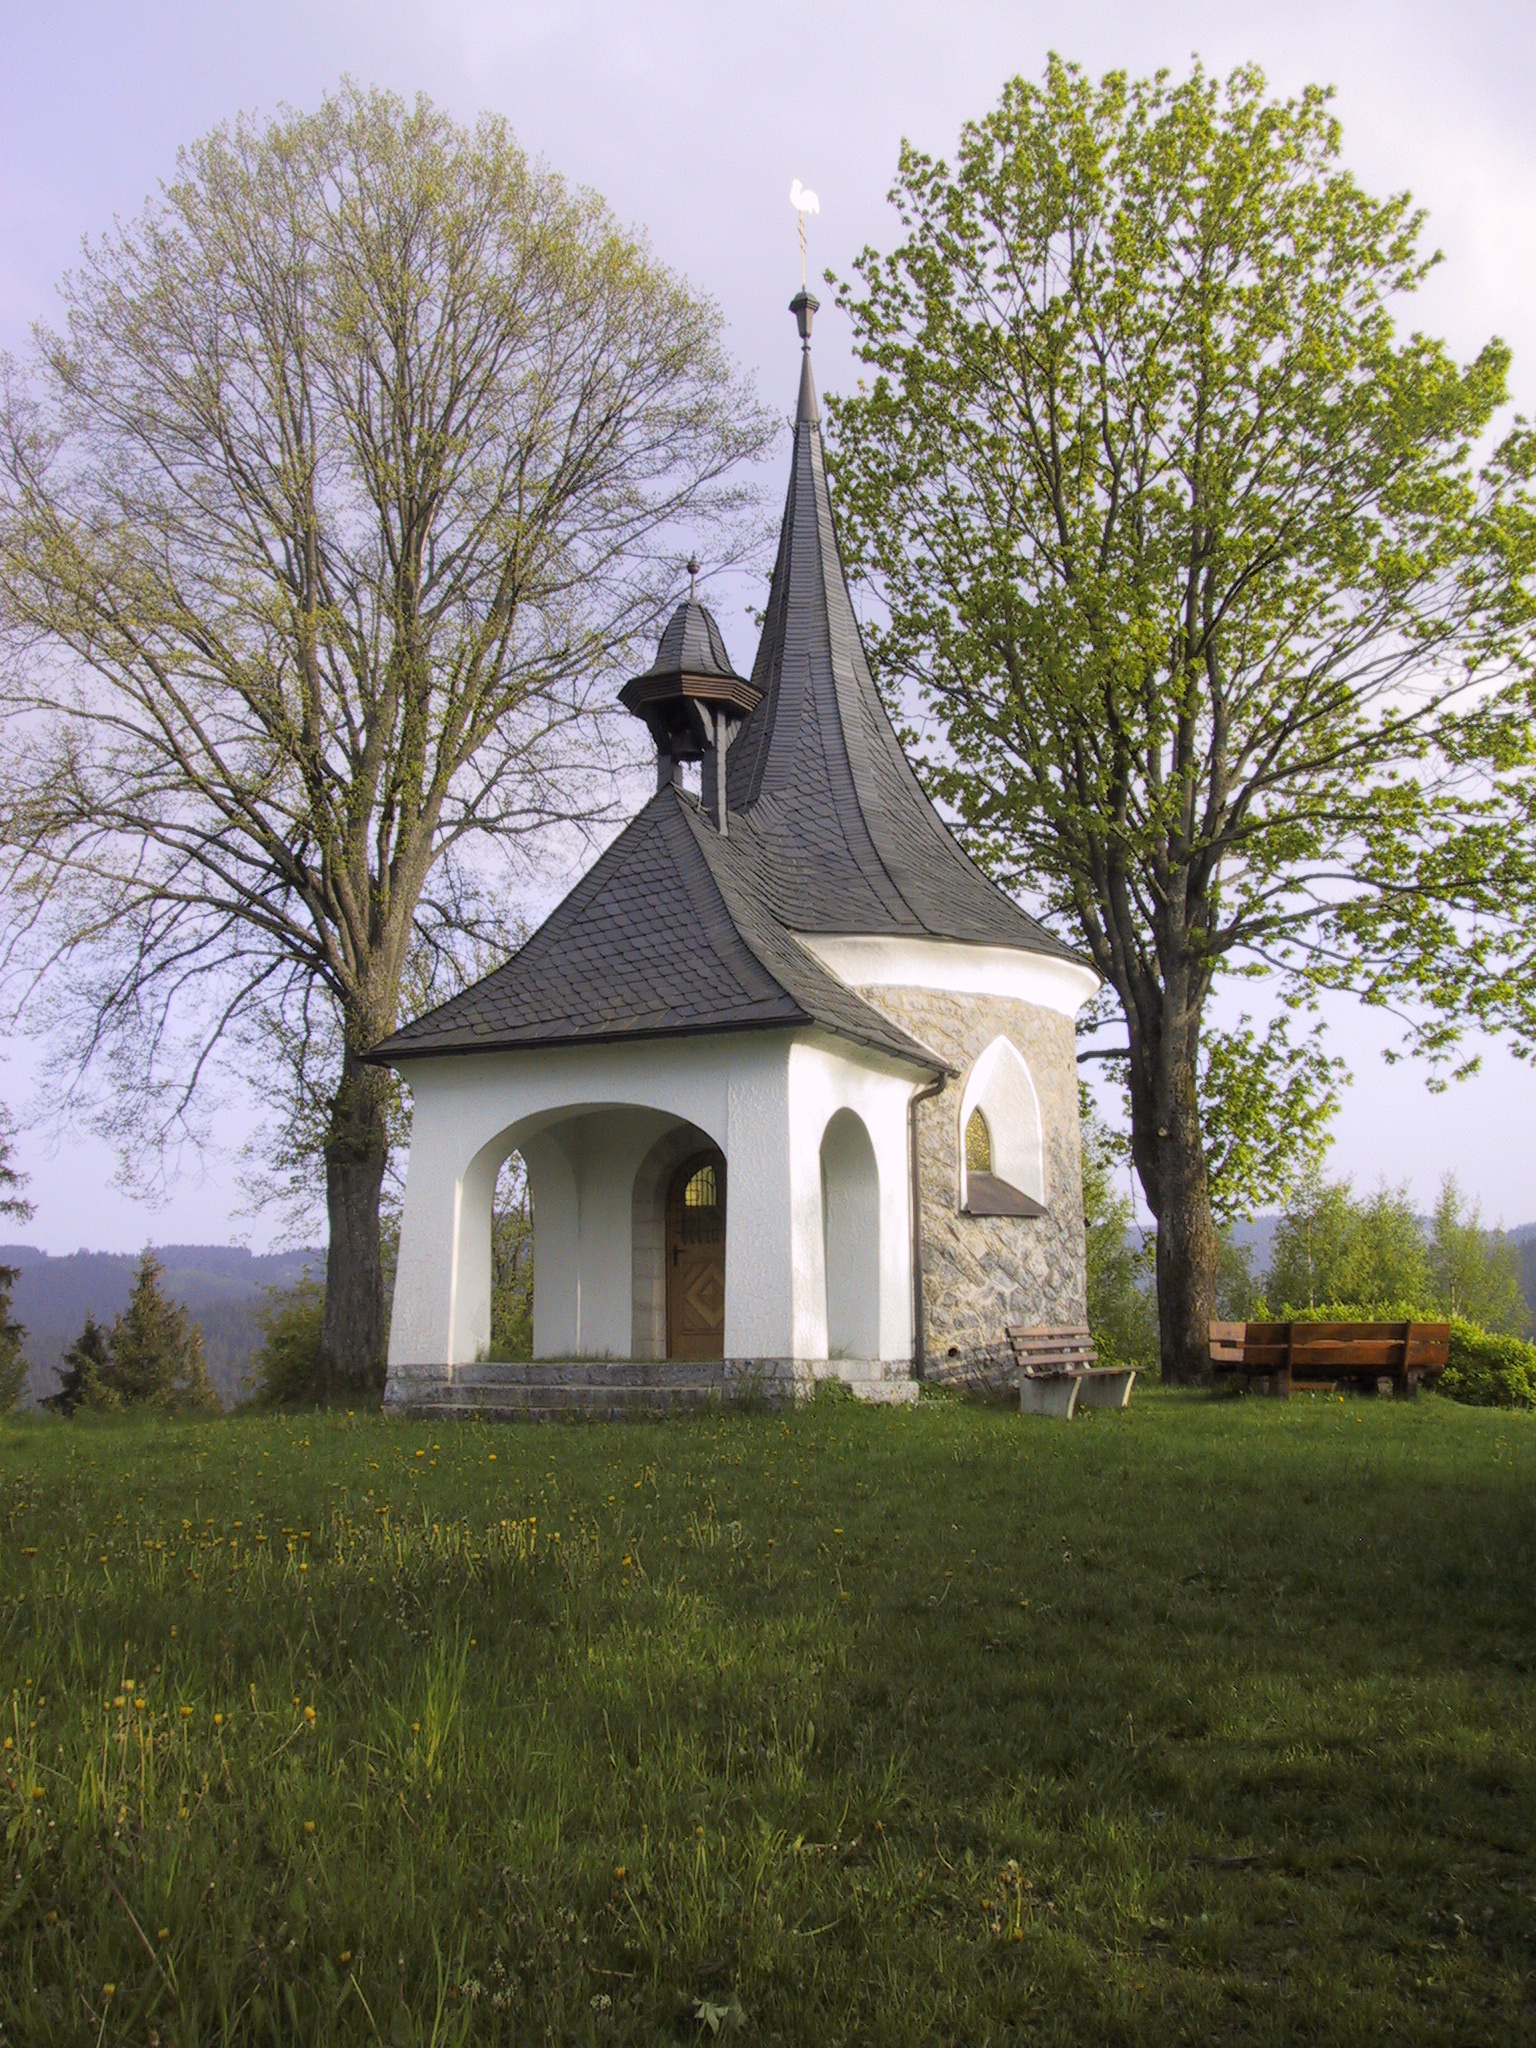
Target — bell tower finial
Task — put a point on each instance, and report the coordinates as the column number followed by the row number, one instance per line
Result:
column 692, row 566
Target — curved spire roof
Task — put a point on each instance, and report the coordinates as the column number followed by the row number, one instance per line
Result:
column 817, row 783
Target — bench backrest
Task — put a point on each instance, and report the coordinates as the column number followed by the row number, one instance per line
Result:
column 1318, row 1348
column 1068, row 1349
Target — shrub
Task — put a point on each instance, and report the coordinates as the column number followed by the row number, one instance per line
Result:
column 286, row 1370
column 1489, row 1371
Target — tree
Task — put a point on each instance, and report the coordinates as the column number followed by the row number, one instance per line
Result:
column 1120, row 1311
column 286, row 1368
column 512, row 1264
column 1332, row 1247
column 83, row 1383
column 14, row 1204
column 1476, row 1273
column 367, row 450
column 1185, row 547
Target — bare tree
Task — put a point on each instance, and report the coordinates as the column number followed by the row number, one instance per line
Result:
column 361, row 457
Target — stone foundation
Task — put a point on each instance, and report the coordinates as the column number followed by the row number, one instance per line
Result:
column 982, row 1274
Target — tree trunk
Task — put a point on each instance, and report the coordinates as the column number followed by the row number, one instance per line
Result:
column 353, row 1331
column 1180, row 1198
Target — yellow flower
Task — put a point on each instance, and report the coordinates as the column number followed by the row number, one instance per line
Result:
column 619, row 1871
column 218, row 1720
column 309, row 1713
column 415, row 1727
column 186, row 1713
column 164, row 1934
column 346, row 1955
column 107, row 1990
column 309, row 1827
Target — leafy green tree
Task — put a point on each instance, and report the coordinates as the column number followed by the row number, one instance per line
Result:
column 512, row 1264
column 359, row 467
column 286, row 1370
column 1331, row 1246
column 1187, row 549
column 85, row 1379
column 1476, row 1273
column 1121, row 1313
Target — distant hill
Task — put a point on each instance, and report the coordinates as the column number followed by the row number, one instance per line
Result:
column 222, row 1286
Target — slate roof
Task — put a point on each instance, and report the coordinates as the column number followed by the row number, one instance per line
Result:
column 842, row 835
column 660, row 936
column 678, row 929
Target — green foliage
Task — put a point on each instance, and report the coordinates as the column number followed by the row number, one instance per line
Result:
column 512, row 1264
column 614, row 1724
column 1236, row 1287
column 152, row 1357
column 1266, row 1105
column 1331, row 1246
column 13, row 1365
column 285, row 1371
column 1476, row 1274
column 1488, row 1371
column 1121, row 1311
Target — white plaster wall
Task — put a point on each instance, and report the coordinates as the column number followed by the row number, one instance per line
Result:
column 947, row 964
column 471, row 1109
column 826, row 1075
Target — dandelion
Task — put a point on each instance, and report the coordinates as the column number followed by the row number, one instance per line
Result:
column 37, row 1792
column 186, row 1713
column 108, row 1990
column 346, row 1955
column 309, row 1827
column 218, row 1720
column 415, row 1727
column 164, row 1934
column 309, row 1713
column 620, row 1871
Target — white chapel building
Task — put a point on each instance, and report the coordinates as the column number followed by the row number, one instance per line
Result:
column 793, row 1081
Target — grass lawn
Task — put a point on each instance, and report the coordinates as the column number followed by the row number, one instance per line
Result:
column 1210, row 1721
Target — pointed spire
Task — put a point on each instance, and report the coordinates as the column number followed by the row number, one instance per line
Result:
column 846, row 837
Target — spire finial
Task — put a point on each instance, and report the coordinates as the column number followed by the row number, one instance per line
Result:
column 692, row 566
column 804, row 201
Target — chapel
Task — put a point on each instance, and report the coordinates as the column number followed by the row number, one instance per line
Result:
column 793, row 1081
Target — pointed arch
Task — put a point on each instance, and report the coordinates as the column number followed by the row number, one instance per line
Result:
column 999, row 1105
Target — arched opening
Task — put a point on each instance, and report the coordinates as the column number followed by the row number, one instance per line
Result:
column 695, row 1245
column 1002, row 1154
column 850, row 1209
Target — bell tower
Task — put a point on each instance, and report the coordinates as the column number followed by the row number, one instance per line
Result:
column 692, row 700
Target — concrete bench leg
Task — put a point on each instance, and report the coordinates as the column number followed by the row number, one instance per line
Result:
column 1105, row 1387
column 1049, row 1393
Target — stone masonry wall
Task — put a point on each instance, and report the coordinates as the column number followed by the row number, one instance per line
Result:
column 983, row 1273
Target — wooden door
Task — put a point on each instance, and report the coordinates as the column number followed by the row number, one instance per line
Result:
column 696, row 1258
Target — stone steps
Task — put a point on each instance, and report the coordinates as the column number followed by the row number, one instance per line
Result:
column 559, row 1390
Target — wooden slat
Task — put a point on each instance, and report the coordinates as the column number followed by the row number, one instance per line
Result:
column 1066, row 1349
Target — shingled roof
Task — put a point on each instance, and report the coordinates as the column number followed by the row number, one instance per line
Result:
column 680, row 929
column 660, row 936
column 841, row 835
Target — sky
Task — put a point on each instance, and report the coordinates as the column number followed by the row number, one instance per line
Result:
column 691, row 118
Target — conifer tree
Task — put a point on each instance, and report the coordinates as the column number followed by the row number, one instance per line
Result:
column 157, row 1350
column 85, row 1381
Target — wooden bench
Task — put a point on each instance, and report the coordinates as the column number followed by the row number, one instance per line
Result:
column 1273, row 1358
column 1057, row 1372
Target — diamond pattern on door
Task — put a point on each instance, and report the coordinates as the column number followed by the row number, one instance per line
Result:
column 696, row 1259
